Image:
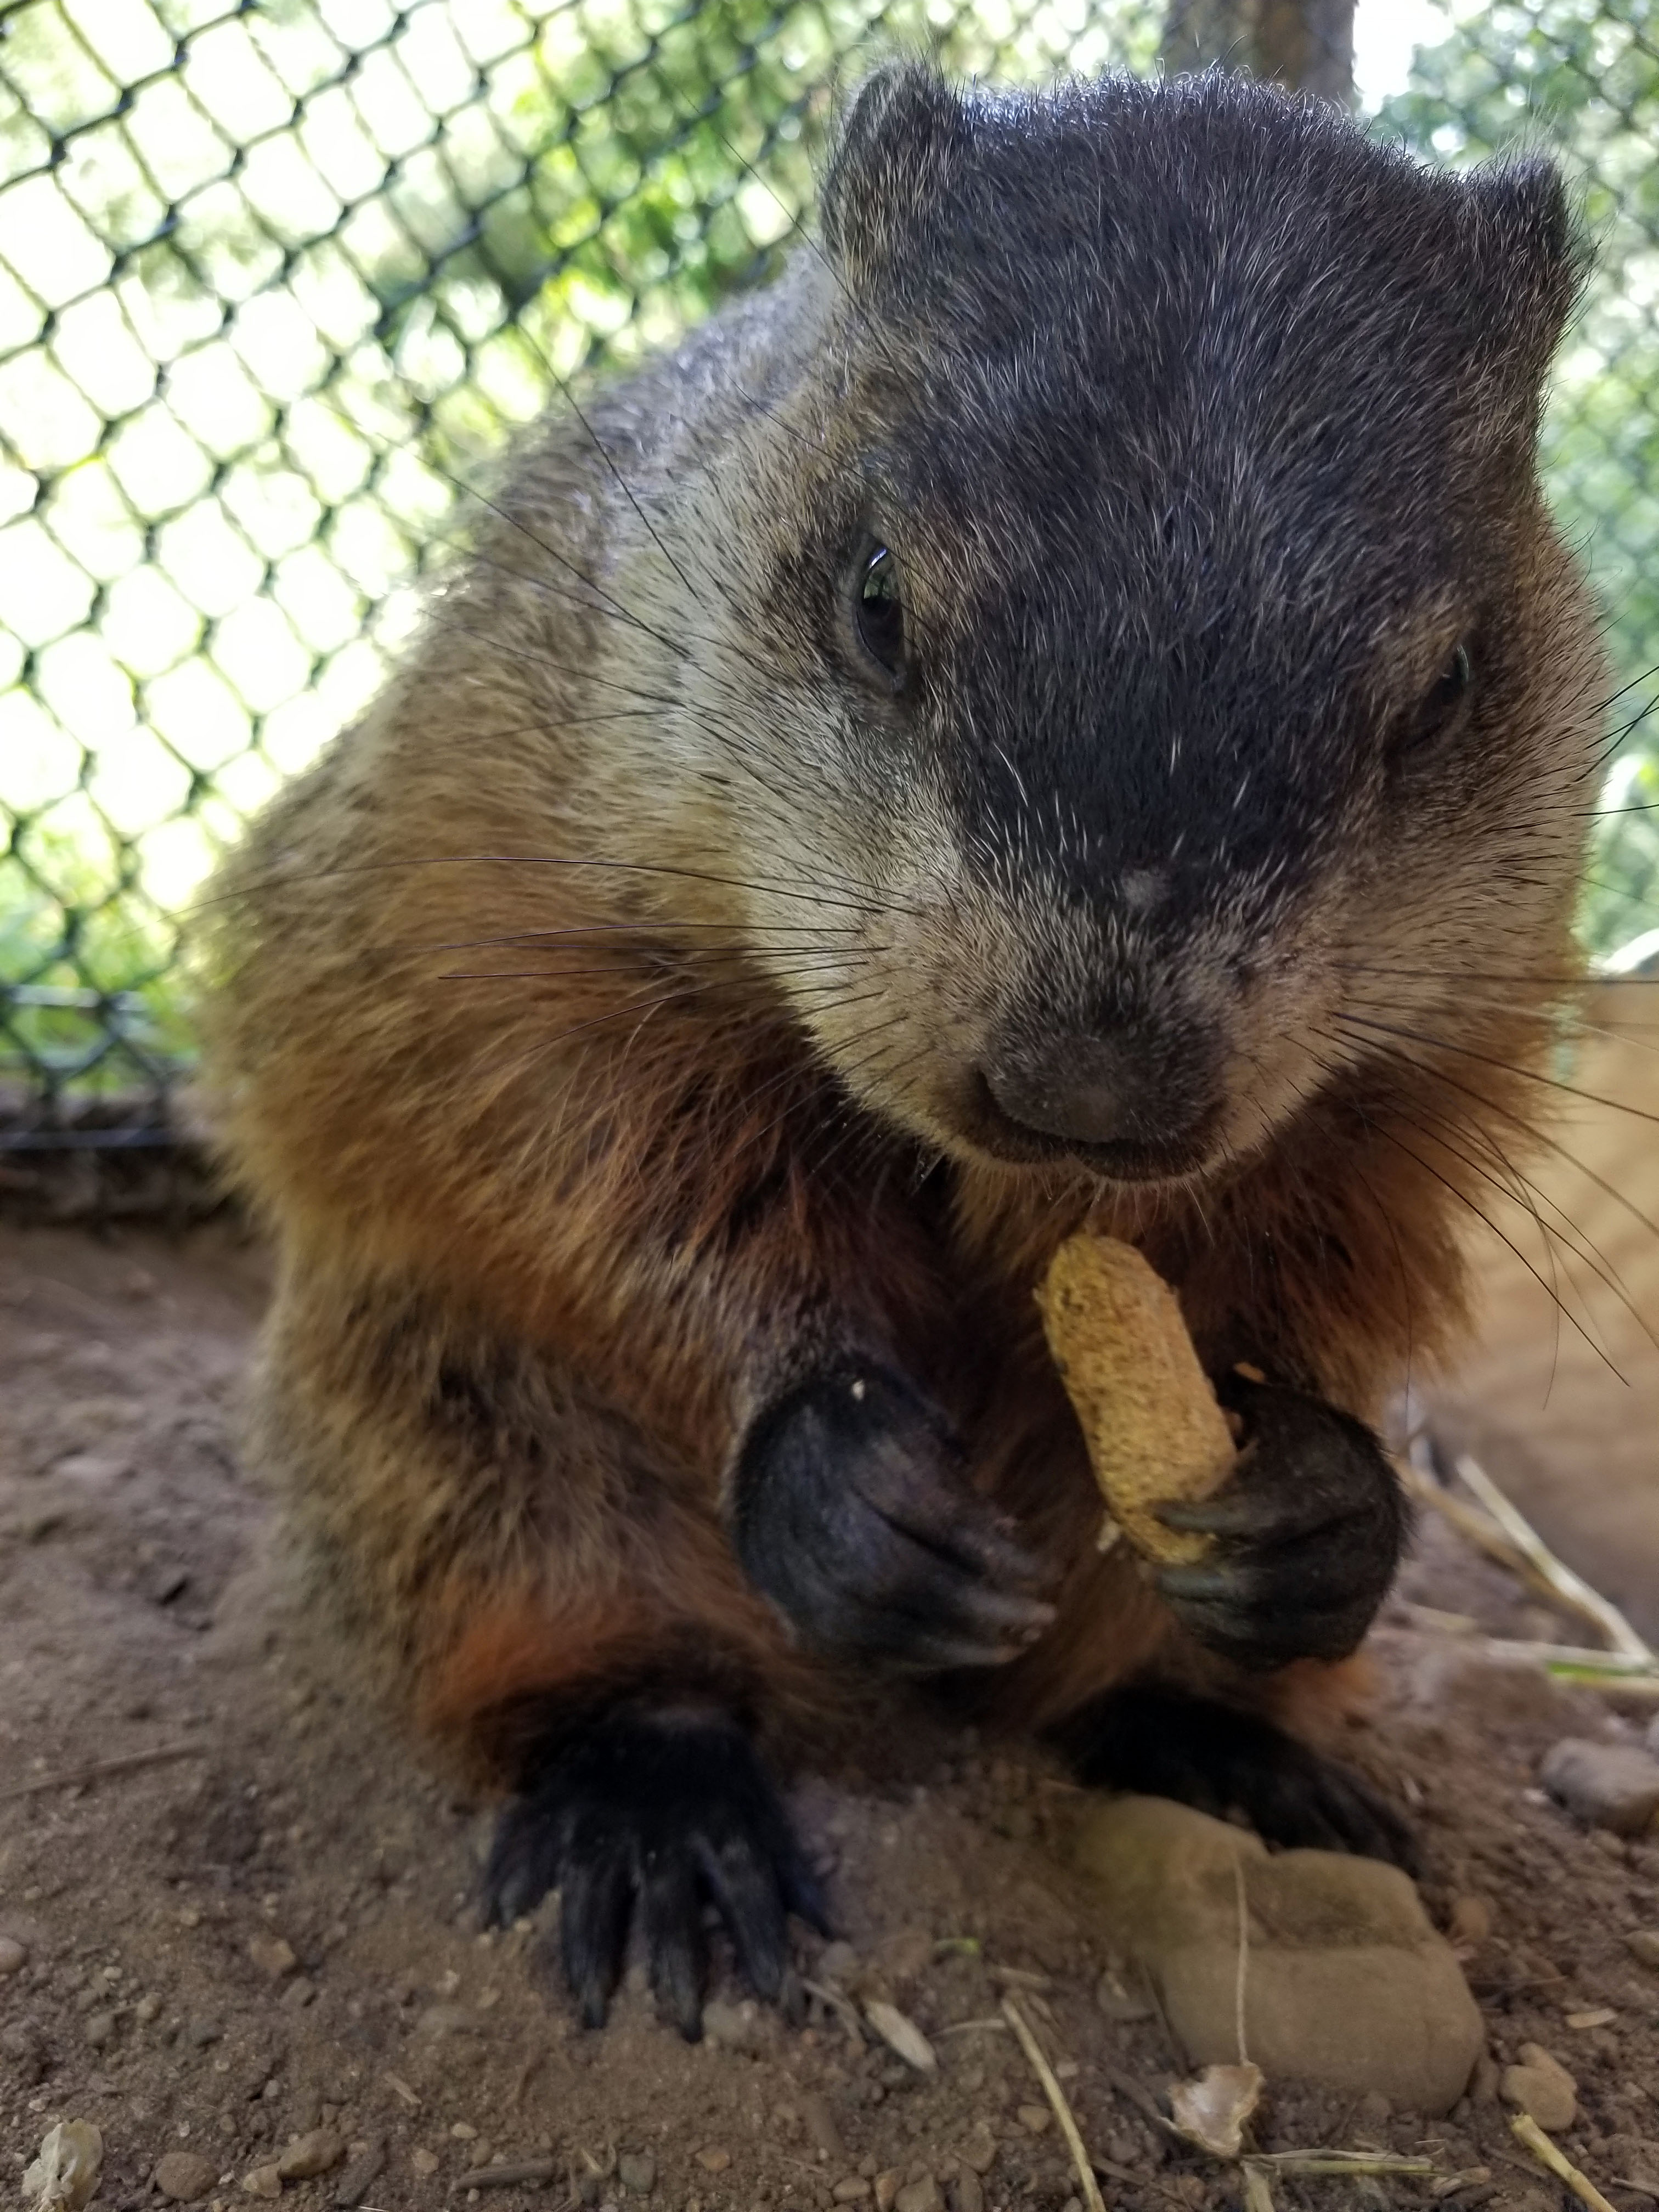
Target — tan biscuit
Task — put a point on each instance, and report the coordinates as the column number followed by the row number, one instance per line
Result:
column 1154, row 1430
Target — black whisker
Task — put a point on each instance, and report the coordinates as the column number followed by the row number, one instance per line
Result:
column 1524, row 1193
column 1488, row 1060
column 601, row 449
column 1537, row 1136
column 1382, row 1128
column 831, row 962
column 649, row 935
column 770, row 886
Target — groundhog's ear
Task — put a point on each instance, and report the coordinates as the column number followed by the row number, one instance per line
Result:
column 899, row 142
column 1530, row 251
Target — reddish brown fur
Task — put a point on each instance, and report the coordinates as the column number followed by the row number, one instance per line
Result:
column 574, row 1173
column 579, row 1270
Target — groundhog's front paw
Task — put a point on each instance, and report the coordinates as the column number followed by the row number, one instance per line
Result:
column 1308, row 1535
column 1159, row 1741
column 851, row 1513
column 667, row 1811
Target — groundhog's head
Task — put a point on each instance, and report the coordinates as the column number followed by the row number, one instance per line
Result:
column 1169, row 682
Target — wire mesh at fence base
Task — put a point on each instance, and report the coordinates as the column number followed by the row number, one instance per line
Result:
column 276, row 275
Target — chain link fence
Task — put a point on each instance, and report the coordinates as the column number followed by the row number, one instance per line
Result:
column 279, row 277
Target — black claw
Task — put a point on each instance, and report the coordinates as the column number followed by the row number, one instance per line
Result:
column 1166, row 1743
column 1306, row 1536
column 747, row 1895
column 596, row 1907
column 803, row 1895
column 672, row 1911
column 522, row 1865
column 658, row 1813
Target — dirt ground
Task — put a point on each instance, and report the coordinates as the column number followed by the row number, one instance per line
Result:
column 269, row 1926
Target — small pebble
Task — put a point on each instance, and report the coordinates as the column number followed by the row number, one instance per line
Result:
column 463, row 2131
column 714, row 2159
column 888, row 2185
column 1036, row 2119
column 201, row 2032
column 851, row 2191
column 299, row 1993
column 99, row 2027
column 263, row 2181
column 271, row 1955
column 919, row 2197
column 978, row 2148
column 148, row 2008
column 966, row 2193
column 1541, row 2085
column 1469, row 1920
column 636, row 2170
column 318, row 2152
column 184, row 2176
column 1611, row 1785
column 13, row 1956
column 738, row 2028
column 819, row 2116
column 1643, row 1945
column 424, row 2161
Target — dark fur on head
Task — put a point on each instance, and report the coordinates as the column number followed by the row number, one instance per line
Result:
column 1201, row 430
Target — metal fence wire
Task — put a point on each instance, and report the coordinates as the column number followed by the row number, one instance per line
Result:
column 277, row 275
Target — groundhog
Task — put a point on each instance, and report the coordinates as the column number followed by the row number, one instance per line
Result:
column 1067, row 710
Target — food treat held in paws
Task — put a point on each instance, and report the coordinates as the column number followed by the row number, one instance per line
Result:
column 1155, row 1433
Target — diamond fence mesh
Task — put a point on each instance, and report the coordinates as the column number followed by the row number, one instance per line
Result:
column 277, row 277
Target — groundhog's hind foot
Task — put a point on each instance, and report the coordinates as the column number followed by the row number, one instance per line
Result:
column 666, row 1811
column 1166, row 1743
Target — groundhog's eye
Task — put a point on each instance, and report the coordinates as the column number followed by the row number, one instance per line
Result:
column 878, row 612
column 1445, row 695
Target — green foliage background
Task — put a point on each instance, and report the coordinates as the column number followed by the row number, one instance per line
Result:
column 1582, row 77
column 276, row 275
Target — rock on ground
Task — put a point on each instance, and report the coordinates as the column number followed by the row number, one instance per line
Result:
column 184, row 2176
column 1347, row 1984
column 1611, row 1785
column 1542, row 2085
column 318, row 2152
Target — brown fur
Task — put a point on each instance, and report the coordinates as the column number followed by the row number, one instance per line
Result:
column 593, row 1018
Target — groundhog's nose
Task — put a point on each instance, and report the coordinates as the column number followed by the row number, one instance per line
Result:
column 1129, row 1091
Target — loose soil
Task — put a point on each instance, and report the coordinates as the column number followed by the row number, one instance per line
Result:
column 143, row 1611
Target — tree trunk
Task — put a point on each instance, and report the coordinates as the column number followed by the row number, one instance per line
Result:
column 1305, row 44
